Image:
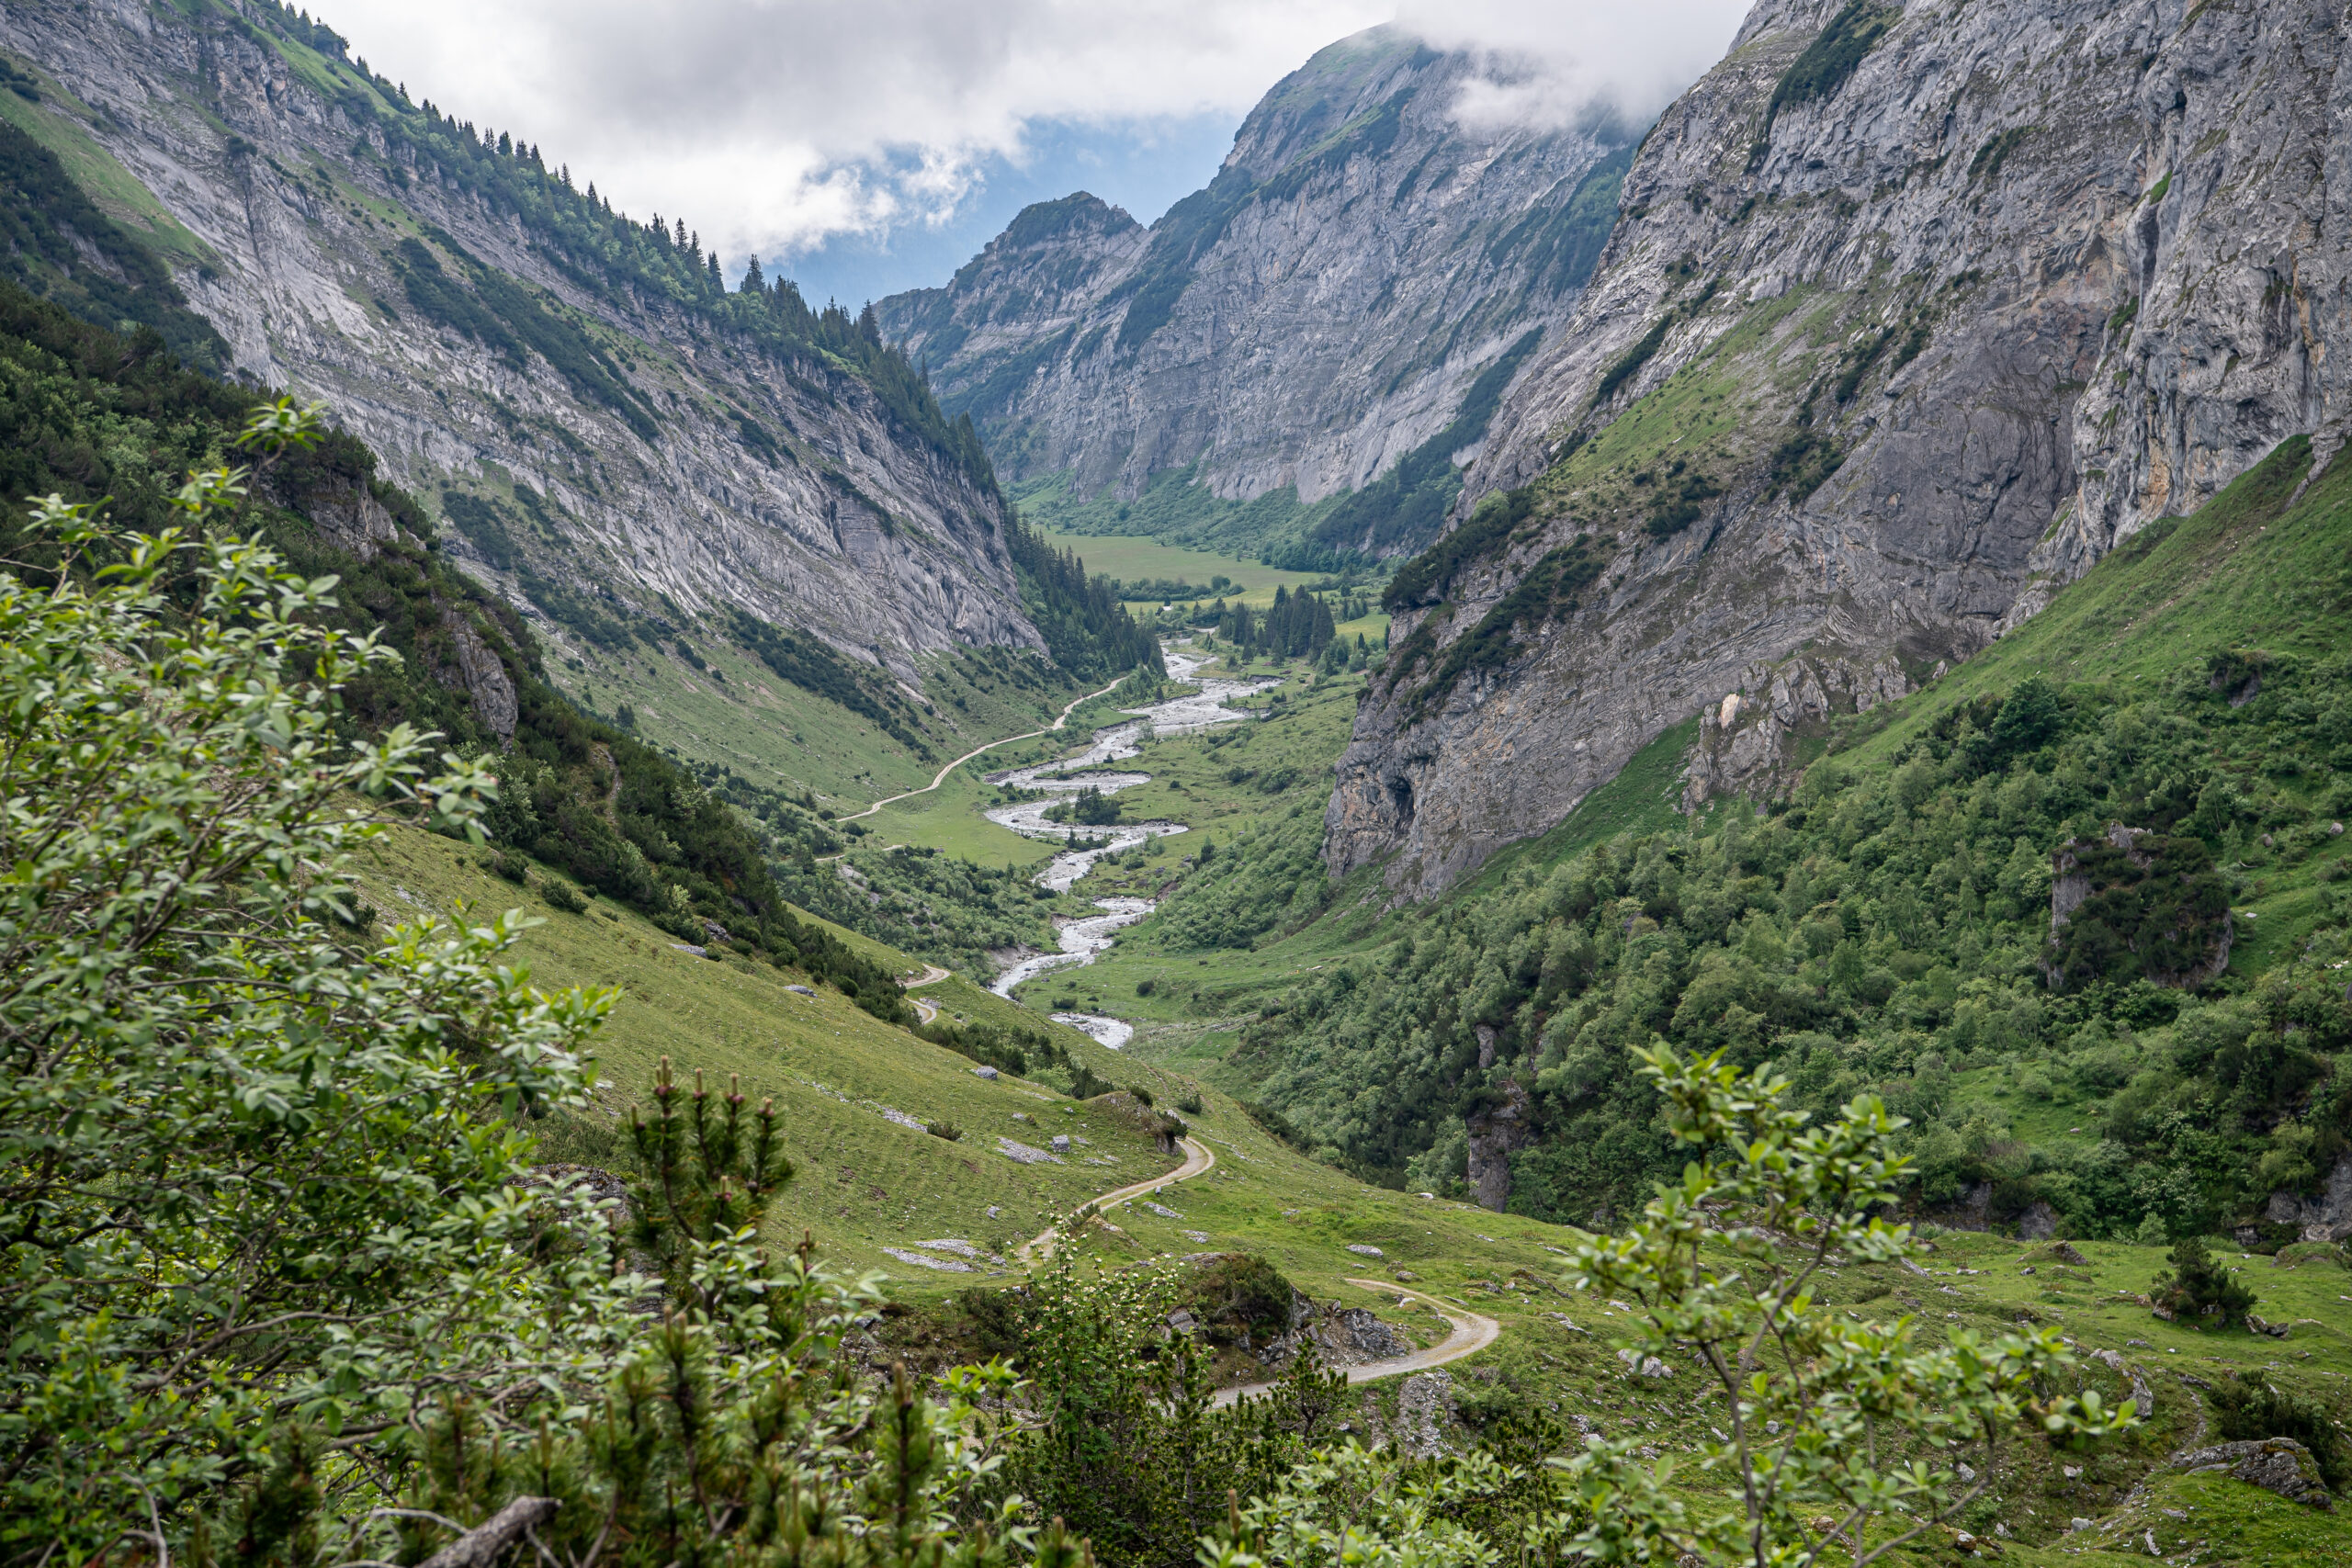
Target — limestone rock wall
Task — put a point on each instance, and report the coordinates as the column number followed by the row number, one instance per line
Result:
column 2031, row 276
column 864, row 536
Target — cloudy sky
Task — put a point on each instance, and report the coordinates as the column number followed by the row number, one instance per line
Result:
column 874, row 145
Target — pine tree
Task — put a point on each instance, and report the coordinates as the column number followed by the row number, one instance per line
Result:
column 752, row 282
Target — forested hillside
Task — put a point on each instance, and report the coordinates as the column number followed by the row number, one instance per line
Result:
column 93, row 417
column 2154, row 1051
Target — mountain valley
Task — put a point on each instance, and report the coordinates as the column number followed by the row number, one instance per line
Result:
column 1200, row 787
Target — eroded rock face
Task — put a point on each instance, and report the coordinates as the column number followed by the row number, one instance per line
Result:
column 854, row 529
column 483, row 677
column 1426, row 1418
column 1320, row 309
column 1862, row 378
column 2324, row 1217
column 1494, row 1132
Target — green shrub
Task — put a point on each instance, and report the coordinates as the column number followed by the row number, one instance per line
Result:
column 561, row 895
column 2201, row 1287
column 1239, row 1294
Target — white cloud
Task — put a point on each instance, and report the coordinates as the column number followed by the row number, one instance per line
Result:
column 773, row 124
column 1548, row 65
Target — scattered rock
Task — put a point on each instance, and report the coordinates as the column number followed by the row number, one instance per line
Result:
column 800, row 990
column 922, row 1260
column 1362, row 1250
column 1645, row 1366
column 1022, row 1154
column 1425, row 1409
column 987, row 1073
column 1061, row 1142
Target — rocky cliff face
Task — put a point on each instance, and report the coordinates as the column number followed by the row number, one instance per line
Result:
column 712, row 474
column 1913, row 311
column 1317, row 312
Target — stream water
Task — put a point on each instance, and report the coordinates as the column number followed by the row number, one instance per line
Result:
column 1060, row 781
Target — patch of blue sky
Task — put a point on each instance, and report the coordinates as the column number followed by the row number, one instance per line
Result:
column 1145, row 167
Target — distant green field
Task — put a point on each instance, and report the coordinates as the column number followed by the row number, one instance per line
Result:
column 1128, row 556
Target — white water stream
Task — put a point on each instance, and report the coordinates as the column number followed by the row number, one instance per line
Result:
column 1081, row 941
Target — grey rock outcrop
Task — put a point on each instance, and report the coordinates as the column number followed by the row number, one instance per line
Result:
column 358, row 521
column 482, row 676
column 1426, row 1418
column 848, row 524
column 2327, row 1216
column 1367, row 1337
column 1494, row 1132
column 1906, row 354
column 2276, row 1464
column 1319, row 311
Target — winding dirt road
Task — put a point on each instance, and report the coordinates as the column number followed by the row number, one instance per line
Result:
column 941, row 777
column 1198, row 1158
column 932, row 975
column 1472, row 1332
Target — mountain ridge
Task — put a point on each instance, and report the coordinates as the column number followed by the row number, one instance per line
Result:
column 1315, row 314
column 490, row 329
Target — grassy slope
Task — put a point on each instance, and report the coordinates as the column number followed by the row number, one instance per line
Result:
column 2243, row 569
column 778, row 735
column 864, row 1182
